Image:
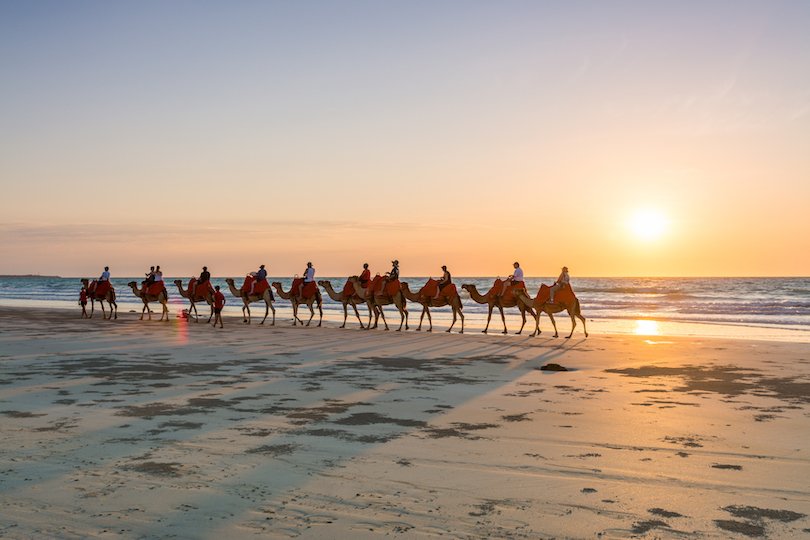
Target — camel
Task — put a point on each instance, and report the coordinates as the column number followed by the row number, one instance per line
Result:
column 109, row 296
column 308, row 300
column 493, row 300
column 346, row 300
column 266, row 297
column 377, row 301
column 426, row 297
column 565, row 301
column 146, row 298
column 194, row 298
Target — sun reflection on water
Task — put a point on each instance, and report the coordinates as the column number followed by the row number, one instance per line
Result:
column 647, row 328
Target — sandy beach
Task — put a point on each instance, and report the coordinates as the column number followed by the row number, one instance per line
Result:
column 144, row 430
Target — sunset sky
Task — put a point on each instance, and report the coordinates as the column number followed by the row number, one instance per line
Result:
column 471, row 134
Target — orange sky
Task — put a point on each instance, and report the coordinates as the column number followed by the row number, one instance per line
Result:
column 469, row 134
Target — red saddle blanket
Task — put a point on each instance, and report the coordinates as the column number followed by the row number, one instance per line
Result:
column 430, row 288
column 258, row 289
column 348, row 289
column 99, row 289
column 509, row 295
column 199, row 291
column 564, row 296
column 154, row 289
column 389, row 289
column 310, row 289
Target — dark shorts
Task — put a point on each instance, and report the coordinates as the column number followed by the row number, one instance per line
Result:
column 217, row 310
column 83, row 303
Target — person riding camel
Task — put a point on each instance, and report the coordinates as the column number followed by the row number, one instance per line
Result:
column 309, row 277
column 365, row 276
column 205, row 277
column 446, row 280
column 260, row 275
column 150, row 277
column 516, row 277
column 563, row 280
column 392, row 275
column 159, row 279
column 105, row 275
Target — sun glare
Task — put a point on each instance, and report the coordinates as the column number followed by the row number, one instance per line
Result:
column 648, row 224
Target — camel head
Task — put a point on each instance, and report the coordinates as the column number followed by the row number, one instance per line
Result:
column 276, row 284
column 323, row 282
column 178, row 282
column 85, row 281
column 466, row 287
column 132, row 284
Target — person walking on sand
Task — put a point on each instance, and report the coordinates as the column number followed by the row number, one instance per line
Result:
column 562, row 281
column 309, row 277
column 83, row 302
column 516, row 277
column 219, row 303
column 446, row 280
column 365, row 276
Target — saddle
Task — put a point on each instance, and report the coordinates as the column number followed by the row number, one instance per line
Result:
column 258, row 289
column 199, row 291
column 564, row 296
column 99, row 289
column 153, row 289
column 348, row 289
column 377, row 289
column 310, row 289
column 509, row 294
column 432, row 286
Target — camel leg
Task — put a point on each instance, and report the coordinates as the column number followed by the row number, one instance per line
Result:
column 421, row 318
column 320, row 312
column 92, row 307
column 103, row 312
column 311, row 312
column 114, row 303
column 430, row 319
column 266, row 309
column 522, row 314
column 274, row 315
column 503, row 319
column 382, row 314
column 345, row 314
column 489, row 318
column 553, row 323
column 212, row 312
column 357, row 313
column 453, row 323
column 573, row 325
column 461, row 314
column 165, row 311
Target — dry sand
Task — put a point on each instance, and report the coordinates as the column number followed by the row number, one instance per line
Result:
column 146, row 429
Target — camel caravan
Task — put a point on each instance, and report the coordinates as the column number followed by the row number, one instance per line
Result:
column 357, row 291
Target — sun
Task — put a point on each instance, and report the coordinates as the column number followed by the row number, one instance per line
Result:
column 648, row 224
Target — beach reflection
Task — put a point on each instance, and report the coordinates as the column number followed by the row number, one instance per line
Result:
column 647, row 328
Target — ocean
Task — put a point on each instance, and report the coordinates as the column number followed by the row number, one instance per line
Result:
column 779, row 304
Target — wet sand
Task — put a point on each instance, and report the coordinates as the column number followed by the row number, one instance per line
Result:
column 146, row 429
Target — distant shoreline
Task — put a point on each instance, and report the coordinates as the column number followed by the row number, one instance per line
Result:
column 29, row 276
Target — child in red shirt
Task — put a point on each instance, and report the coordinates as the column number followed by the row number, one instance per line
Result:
column 219, row 303
column 83, row 302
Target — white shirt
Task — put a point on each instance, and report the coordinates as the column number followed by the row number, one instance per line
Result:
column 158, row 276
column 105, row 276
column 309, row 274
column 518, row 275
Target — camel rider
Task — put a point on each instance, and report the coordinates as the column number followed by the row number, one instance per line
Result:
column 205, row 277
column 309, row 277
column 446, row 280
column 392, row 275
column 516, row 277
column 365, row 276
column 562, row 281
column 150, row 277
column 105, row 275
column 159, row 279
column 260, row 275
